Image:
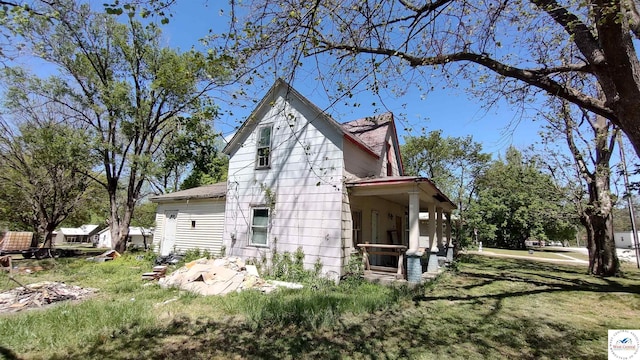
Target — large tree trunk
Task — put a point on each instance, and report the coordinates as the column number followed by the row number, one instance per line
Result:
column 119, row 225
column 603, row 259
column 598, row 222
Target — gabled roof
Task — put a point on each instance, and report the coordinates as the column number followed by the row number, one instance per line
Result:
column 371, row 130
column 82, row 230
column 213, row 191
column 133, row 230
column 252, row 121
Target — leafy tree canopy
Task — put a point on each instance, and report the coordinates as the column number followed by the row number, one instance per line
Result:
column 518, row 202
column 129, row 91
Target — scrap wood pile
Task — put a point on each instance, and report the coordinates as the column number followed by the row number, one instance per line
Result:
column 40, row 294
column 220, row 277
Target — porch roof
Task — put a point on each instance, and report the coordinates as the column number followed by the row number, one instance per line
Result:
column 397, row 188
column 213, row 191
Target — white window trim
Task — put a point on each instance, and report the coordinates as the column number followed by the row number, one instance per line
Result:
column 356, row 231
column 251, row 226
column 269, row 147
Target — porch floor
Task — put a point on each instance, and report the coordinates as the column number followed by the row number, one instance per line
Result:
column 383, row 277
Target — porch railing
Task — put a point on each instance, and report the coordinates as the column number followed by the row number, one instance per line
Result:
column 383, row 249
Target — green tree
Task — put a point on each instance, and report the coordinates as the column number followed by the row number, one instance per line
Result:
column 516, row 202
column 144, row 215
column 428, row 156
column 44, row 170
column 621, row 217
column 453, row 163
column 193, row 147
column 93, row 211
column 126, row 88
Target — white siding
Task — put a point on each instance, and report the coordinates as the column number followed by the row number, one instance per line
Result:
column 390, row 155
column 206, row 235
column 624, row 240
column 306, row 178
column 358, row 163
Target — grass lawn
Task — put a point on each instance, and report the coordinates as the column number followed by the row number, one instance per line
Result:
column 487, row 308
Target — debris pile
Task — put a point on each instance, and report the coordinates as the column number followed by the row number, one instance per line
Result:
column 220, row 277
column 158, row 272
column 40, row 294
column 105, row 256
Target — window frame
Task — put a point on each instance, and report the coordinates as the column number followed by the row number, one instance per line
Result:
column 263, row 161
column 356, row 227
column 252, row 227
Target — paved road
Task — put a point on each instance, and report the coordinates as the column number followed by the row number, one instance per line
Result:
column 623, row 254
column 568, row 259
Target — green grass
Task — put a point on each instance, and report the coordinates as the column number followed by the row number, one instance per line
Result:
column 488, row 308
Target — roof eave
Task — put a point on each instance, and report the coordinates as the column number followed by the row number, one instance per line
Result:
column 185, row 197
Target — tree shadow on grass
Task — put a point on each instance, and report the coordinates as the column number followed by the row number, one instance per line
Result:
column 457, row 325
column 390, row 334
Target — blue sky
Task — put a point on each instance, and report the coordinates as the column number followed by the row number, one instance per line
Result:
column 449, row 110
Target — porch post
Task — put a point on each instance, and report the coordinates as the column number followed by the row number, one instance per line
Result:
column 431, row 227
column 441, row 242
column 448, row 229
column 449, row 243
column 432, row 265
column 414, row 266
column 414, row 221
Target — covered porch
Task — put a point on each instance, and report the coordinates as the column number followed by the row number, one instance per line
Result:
column 386, row 225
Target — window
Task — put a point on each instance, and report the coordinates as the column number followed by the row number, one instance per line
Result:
column 389, row 159
column 356, row 227
column 263, row 160
column 374, row 227
column 259, row 226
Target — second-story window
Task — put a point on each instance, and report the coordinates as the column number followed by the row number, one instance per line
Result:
column 263, row 160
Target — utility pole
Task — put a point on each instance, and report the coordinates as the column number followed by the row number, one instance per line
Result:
column 629, row 202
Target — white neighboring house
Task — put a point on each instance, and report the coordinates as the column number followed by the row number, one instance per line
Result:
column 83, row 234
column 138, row 237
column 299, row 179
column 190, row 219
column 624, row 239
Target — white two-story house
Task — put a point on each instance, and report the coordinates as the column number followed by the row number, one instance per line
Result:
column 299, row 179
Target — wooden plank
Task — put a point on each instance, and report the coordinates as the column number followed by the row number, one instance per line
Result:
column 383, row 269
column 383, row 246
column 391, row 253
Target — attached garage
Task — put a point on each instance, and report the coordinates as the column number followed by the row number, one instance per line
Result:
column 190, row 219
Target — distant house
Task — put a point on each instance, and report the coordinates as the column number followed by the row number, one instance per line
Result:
column 139, row 237
column 624, row 239
column 82, row 234
column 299, row 179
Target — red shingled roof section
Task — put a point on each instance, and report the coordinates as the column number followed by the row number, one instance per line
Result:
column 371, row 130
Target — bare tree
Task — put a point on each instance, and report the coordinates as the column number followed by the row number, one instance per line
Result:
column 514, row 47
column 591, row 141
